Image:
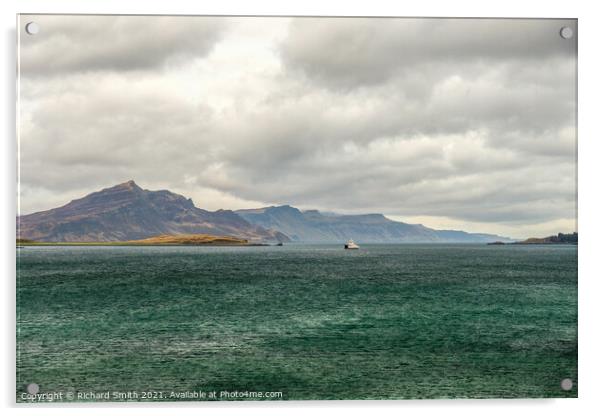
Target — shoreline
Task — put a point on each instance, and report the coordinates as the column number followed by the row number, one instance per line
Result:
column 123, row 244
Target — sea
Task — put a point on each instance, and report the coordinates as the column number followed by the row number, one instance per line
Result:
column 297, row 322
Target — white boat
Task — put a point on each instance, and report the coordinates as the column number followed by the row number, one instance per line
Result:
column 351, row 245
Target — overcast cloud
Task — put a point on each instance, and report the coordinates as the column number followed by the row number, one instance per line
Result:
column 454, row 123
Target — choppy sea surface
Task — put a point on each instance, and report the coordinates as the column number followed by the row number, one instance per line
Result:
column 305, row 321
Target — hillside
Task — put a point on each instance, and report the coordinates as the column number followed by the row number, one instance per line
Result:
column 313, row 226
column 553, row 239
column 127, row 212
column 190, row 239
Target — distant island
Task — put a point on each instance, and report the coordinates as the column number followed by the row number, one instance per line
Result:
column 126, row 212
column 160, row 240
column 553, row 239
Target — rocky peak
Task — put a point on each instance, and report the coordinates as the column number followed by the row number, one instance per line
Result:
column 129, row 185
column 128, row 212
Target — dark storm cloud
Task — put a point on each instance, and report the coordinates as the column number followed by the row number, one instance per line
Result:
column 119, row 43
column 472, row 120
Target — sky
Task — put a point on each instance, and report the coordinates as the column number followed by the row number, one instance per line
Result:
column 452, row 123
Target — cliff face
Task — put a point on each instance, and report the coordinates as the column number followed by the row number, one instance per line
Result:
column 313, row 226
column 128, row 212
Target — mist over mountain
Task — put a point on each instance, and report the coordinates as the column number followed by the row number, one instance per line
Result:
column 314, row 226
column 128, row 212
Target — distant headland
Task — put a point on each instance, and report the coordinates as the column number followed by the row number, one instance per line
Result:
column 553, row 239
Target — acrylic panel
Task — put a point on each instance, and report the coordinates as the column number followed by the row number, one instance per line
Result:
column 295, row 208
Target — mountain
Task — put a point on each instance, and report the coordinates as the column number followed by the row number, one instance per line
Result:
column 128, row 212
column 313, row 226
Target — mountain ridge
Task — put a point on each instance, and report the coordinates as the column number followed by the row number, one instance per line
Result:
column 314, row 226
column 127, row 212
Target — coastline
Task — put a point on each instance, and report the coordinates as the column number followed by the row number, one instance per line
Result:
column 125, row 243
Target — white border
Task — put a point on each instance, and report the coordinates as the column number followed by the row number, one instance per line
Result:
column 590, row 209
